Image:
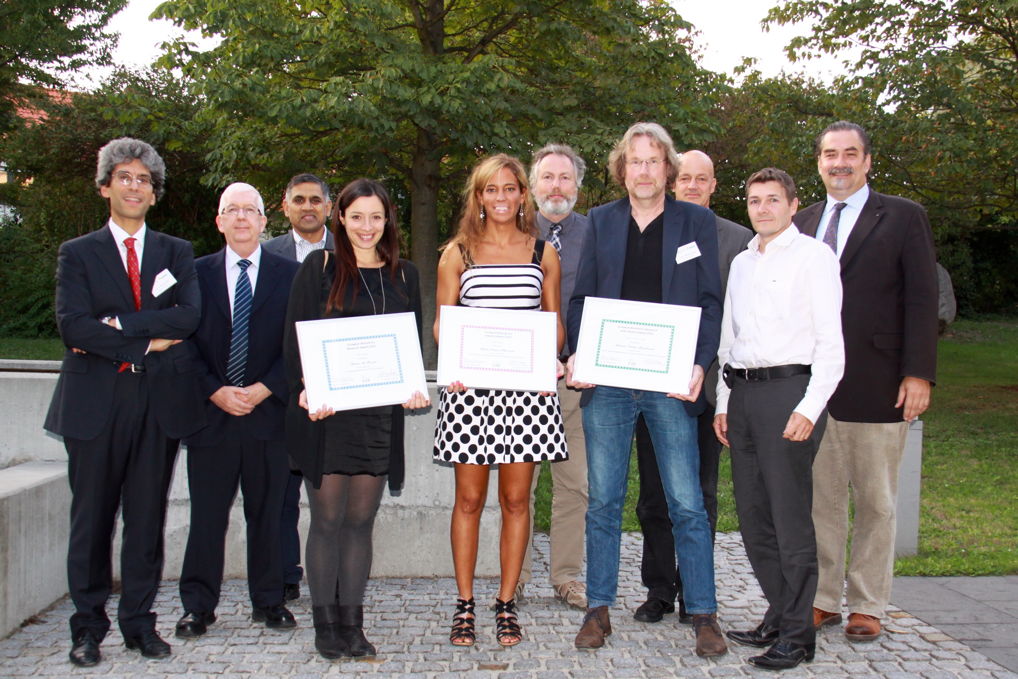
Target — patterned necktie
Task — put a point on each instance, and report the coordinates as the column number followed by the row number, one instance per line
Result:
column 133, row 271
column 831, row 234
column 553, row 237
column 242, row 296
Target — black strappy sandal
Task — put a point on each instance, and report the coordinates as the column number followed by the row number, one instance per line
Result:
column 507, row 629
column 462, row 633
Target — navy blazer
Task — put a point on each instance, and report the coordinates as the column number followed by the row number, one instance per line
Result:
column 92, row 284
column 695, row 282
column 889, row 308
column 264, row 350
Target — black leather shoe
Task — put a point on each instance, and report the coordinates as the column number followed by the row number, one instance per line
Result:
column 684, row 617
column 274, row 617
column 761, row 637
column 85, row 651
column 291, row 591
column 784, row 655
column 193, row 624
column 652, row 610
column 149, row 643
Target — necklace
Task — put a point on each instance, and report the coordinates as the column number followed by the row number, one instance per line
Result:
column 381, row 282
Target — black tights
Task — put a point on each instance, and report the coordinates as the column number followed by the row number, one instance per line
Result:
column 338, row 556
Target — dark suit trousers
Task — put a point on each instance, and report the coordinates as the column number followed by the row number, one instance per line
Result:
column 261, row 471
column 658, row 569
column 289, row 538
column 129, row 465
column 774, row 498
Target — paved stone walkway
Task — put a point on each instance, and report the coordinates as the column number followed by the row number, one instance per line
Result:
column 408, row 620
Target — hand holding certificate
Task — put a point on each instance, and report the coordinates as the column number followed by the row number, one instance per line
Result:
column 638, row 345
column 498, row 348
column 361, row 361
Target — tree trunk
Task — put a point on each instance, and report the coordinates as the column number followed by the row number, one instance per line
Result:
column 424, row 232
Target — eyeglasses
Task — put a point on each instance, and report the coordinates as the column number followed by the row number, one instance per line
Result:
column 237, row 211
column 651, row 164
column 127, row 179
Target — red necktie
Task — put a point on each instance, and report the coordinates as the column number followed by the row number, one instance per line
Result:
column 133, row 272
column 134, row 275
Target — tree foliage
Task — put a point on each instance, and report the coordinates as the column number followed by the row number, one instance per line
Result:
column 414, row 91
column 40, row 39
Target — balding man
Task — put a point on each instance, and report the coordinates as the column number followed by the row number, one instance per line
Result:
column 695, row 183
column 245, row 291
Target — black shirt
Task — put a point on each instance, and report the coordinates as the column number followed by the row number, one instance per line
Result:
column 641, row 276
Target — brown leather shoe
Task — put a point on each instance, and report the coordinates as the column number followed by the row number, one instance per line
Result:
column 596, row 626
column 709, row 640
column 862, row 627
column 822, row 618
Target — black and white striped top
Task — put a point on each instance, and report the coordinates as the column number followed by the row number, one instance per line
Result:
column 503, row 286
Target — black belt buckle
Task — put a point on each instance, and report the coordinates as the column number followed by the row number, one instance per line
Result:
column 727, row 376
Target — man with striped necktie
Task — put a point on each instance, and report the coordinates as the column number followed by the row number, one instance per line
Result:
column 240, row 343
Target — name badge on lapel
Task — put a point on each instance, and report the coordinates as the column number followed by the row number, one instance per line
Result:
column 686, row 252
column 163, row 282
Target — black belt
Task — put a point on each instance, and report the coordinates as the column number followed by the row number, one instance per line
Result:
column 763, row 374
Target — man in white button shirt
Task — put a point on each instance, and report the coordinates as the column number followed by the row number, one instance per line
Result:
column 783, row 356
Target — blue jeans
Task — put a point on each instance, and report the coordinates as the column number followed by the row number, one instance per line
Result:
column 608, row 422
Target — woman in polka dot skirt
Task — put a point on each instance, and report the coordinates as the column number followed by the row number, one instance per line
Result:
column 495, row 260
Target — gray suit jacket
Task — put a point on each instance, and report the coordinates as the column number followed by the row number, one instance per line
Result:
column 285, row 247
column 732, row 239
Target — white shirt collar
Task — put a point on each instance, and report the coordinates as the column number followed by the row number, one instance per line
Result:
column 119, row 234
column 782, row 240
column 298, row 239
column 232, row 257
column 856, row 201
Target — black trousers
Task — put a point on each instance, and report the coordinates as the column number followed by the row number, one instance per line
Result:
column 773, row 480
column 128, row 466
column 289, row 536
column 658, row 569
column 261, row 471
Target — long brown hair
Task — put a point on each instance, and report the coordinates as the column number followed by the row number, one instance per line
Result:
column 387, row 248
column 471, row 226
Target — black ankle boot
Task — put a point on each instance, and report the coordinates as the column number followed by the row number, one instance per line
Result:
column 328, row 638
column 351, row 631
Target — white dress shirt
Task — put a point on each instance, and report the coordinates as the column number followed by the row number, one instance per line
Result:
column 783, row 306
column 849, row 215
column 233, row 271
column 119, row 235
column 303, row 248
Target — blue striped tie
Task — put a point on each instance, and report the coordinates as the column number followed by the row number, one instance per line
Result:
column 237, row 364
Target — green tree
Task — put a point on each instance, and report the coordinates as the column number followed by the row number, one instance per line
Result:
column 39, row 39
column 414, row 91
column 945, row 74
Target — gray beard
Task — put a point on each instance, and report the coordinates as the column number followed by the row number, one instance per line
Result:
column 555, row 207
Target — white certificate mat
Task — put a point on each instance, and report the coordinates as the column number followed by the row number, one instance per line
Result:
column 498, row 348
column 637, row 345
column 362, row 361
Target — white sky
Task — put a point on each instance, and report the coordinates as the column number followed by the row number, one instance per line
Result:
column 730, row 30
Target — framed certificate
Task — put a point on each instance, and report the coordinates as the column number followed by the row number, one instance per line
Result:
column 362, row 361
column 636, row 345
column 498, row 348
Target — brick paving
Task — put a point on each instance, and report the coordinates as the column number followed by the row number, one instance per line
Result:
column 407, row 619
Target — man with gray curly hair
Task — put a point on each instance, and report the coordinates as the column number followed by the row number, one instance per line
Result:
column 126, row 296
column 648, row 247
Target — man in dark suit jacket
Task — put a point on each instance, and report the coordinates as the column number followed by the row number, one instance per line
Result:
column 695, row 184
column 649, row 248
column 306, row 204
column 240, row 345
column 889, row 320
column 125, row 297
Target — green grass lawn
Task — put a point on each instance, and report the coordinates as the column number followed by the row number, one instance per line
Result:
column 969, row 504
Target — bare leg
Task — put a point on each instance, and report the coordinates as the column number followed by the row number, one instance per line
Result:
column 471, row 490
column 514, row 498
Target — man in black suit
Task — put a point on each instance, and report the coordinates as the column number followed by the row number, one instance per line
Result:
column 307, row 205
column 889, row 319
column 240, row 344
column 695, row 184
column 125, row 297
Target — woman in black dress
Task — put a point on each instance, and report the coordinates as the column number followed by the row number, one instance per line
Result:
column 346, row 456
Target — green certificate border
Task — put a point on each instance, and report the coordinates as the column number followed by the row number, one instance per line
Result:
column 668, row 359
